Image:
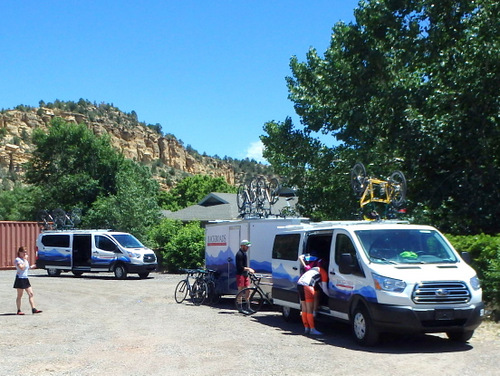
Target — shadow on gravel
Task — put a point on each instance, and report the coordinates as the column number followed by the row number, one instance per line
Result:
column 92, row 276
column 340, row 334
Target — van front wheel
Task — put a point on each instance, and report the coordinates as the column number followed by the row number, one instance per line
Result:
column 460, row 336
column 120, row 272
column 364, row 331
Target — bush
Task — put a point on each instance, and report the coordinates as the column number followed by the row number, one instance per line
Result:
column 178, row 245
column 485, row 254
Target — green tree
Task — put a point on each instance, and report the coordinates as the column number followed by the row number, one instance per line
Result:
column 133, row 208
column 410, row 80
column 18, row 204
column 191, row 190
column 72, row 166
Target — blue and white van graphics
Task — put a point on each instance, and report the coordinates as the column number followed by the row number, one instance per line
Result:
column 383, row 277
column 222, row 242
column 82, row 251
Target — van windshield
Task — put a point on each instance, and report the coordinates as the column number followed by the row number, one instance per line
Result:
column 127, row 241
column 408, row 246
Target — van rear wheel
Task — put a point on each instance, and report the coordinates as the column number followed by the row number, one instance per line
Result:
column 143, row 275
column 120, row 272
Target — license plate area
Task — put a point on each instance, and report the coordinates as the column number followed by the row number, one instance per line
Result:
column 444, row 314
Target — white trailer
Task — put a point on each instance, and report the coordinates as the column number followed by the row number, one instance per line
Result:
column 222, row 242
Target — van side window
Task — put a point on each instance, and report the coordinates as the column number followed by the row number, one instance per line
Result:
column 343, row 244
column 286, row 247
column 105, row 244
column 56, row 241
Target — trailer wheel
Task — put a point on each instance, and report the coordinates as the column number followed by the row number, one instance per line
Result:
column 364, row 331
column 290, row 314
column 460, row 336
column 120, row 272
column 52, row 272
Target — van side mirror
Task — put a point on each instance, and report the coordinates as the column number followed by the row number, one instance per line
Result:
column 345, row 264
column 466, row 257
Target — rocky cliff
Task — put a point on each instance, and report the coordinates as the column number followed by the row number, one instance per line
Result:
column 168, row 159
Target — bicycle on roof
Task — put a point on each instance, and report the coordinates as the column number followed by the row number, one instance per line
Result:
column 258, row 197
column 369, row 190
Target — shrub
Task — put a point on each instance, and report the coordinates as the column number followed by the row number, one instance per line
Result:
column 485, row 254
column 178, row 245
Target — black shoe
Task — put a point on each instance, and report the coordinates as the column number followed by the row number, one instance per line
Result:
column 34, row 310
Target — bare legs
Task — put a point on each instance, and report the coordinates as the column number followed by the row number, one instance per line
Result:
column 29, row 291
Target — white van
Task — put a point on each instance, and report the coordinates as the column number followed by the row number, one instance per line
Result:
column 81, row 251
column 383, row 277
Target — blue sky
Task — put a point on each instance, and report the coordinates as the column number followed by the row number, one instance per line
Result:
column 210, row 72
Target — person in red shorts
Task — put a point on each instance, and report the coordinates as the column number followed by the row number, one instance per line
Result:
column 306, row 286
column 242, row 269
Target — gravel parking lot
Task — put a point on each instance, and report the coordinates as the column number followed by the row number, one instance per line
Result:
column 96, row 325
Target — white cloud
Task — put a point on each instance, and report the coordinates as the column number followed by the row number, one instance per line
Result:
column 254, row 151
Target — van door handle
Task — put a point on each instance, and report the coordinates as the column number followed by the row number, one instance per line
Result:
column 295, row 268
column 332, row 272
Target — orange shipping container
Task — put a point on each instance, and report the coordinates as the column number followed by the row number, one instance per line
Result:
column 12, row 236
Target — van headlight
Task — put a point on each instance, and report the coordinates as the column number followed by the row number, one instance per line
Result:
column 134, row 255
column 388, row 284
column 475, row 283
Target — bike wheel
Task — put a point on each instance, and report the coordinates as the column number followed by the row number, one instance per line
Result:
column 212, row 296
column 199, row 292
column 248, row 301
column 181, row 291
column 260, row 190
column 398, row 183
column 45, row 220
column 241, row 197
column 59, row 216
column 358, row 177
column 273, row 189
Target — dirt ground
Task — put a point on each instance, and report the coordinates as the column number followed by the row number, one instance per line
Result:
column 96, row 325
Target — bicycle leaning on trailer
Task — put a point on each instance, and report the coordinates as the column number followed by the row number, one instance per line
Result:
column 250, row 299
column 209, row 276
column 194, row 285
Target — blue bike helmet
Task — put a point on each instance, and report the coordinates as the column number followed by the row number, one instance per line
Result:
column 310, row 258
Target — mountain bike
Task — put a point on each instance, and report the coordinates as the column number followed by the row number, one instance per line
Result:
column 196, row 289
column 245, row 198
column 368, row 189
column 250, row 299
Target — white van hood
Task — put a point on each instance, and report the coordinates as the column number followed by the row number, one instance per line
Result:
column 425, row 272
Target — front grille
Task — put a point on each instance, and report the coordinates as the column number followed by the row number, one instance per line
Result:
column 448, row 292
column 149, row 258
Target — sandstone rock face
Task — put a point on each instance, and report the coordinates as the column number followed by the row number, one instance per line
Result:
column 136, row 141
